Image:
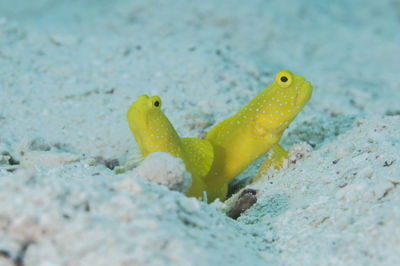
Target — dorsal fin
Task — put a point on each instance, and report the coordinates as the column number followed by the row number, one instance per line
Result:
column 200, row 154
column 214, row 134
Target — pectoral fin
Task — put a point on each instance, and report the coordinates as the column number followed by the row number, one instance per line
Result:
column 200, row 154
column 276, row 158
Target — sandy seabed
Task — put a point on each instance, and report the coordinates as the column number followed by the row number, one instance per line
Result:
column 69, row 70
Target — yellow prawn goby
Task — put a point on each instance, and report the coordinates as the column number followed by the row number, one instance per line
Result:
column 257, row 128
column 154, row 132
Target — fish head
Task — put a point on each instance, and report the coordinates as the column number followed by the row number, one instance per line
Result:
column 151, row 128
column 283, row 100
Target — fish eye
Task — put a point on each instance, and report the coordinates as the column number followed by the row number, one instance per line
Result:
column 156, row 101
column 284, row 78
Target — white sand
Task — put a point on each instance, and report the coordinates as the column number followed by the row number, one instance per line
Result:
column 70, row 69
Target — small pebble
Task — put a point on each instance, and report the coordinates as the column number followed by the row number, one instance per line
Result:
column 39, row 144
column 366, row 172
column 111, row 163
column 298, row 152
column 246, row 199
column 129, row 185
column 189, row 205
column 343, row 152
column 63, row 40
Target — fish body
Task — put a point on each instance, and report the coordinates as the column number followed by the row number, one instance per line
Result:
column 257, row 128
column 154, row 132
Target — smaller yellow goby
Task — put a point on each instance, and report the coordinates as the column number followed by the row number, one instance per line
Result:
column 256, row 129
column 154, row 132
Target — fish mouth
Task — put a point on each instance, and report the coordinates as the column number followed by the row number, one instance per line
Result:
column 304, row 94
column 306, row 90
column 135, row 109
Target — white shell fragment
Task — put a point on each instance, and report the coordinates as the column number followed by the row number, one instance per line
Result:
column 164, row 169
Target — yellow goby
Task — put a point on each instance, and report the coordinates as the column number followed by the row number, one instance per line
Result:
column 255, row 129
column 154, row 132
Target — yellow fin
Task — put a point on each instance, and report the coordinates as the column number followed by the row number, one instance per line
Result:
column 276, row 158
column 223, row 192
column 132, row 159
column 200, row 154
column 197, row 189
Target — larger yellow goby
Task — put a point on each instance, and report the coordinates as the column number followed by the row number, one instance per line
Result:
column 257, row 128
